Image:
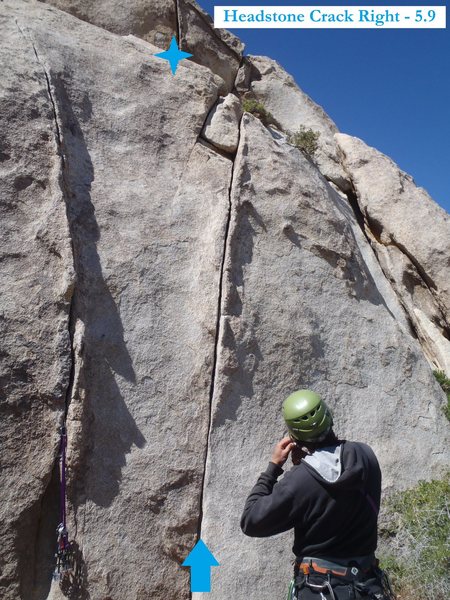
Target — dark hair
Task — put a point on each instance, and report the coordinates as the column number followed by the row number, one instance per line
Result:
column 329, row 440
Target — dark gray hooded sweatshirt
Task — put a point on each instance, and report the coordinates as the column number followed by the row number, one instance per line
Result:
column 330, row 499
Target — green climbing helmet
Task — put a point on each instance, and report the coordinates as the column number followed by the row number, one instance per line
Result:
column 307, row 416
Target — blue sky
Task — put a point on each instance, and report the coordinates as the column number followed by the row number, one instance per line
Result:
column 391, row 88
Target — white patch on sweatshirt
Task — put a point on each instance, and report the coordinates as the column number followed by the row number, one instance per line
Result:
column 327, row 462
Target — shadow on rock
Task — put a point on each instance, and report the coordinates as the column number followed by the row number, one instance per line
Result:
column 74, row 583
column 112, row 430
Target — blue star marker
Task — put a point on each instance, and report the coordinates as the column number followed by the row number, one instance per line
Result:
column 200, row 560
column 173, row 54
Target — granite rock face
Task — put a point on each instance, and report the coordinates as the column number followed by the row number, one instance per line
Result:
column 143, row 313
column 277, row 332
column 411, row 235
column 171, row 269
column 271, row 85
column 37, row 279
column 156, row 21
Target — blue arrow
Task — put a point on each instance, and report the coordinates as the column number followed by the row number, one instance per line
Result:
column 200, row 560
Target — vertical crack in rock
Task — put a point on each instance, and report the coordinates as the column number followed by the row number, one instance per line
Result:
column 47, row 79
column 444, row 326
column 177, row 18
column 63, row 186
column 353, row 201
column 216, row 343
column 46, row 504
column 428, row 283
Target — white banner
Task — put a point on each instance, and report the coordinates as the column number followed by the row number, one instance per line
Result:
column 333, row 17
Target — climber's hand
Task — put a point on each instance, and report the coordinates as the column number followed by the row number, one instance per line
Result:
column 282, row 450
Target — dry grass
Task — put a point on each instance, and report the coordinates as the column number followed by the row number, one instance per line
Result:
column 415, row 541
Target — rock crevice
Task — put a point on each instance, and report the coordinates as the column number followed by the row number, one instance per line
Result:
column 220, row 295
column 49, row 90
column 413, row 270
column 49, row 510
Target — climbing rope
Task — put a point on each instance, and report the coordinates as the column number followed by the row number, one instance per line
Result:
column 64, row 553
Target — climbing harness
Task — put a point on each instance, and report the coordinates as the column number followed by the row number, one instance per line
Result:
column 326, row 585
column 64, row 553
column 324, row 578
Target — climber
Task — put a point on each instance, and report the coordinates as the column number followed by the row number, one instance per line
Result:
column 331, row 498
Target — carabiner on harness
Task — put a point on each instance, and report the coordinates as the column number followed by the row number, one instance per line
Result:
column 319, row 587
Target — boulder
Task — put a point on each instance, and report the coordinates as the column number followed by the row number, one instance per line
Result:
column 222, row 125
column 218, row 49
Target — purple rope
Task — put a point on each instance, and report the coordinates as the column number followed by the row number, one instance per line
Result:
column 63, row 554
column 63, row 477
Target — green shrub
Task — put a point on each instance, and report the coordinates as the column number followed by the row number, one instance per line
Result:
column 305, row 140
column 445, row 385
column 415, row 541
column 256, row 108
